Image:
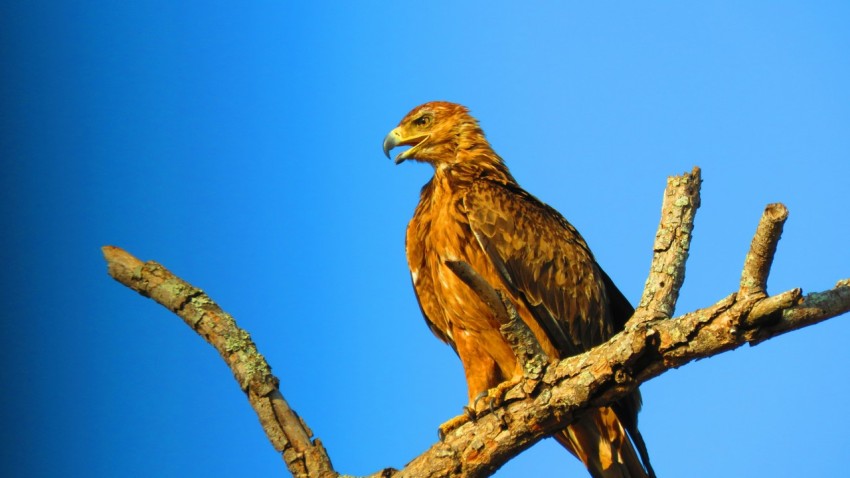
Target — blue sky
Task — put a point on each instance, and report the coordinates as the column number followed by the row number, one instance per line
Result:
column 240, row 147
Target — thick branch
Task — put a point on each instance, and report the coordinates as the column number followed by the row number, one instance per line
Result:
column 286, row 431
column 672, row 243
column 609, row 372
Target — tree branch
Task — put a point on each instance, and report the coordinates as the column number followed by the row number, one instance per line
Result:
column 608, row 373
column 762, row 249
column 540, row 405
column 670, row 252
column 286, row 431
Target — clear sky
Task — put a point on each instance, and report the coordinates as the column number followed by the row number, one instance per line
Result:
column 240, row 146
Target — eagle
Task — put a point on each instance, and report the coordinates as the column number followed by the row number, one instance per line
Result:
column 473, row 211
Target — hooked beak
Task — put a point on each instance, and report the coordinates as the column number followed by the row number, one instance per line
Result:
column 395, row 139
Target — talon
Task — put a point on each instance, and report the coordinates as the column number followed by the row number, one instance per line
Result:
column 496, row 396
column 478, row 398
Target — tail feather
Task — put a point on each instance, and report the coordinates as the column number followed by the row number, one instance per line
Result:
column 599, row 440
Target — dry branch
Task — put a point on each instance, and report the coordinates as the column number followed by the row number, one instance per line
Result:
column 762, row 249
column 607, row 373
column 649, row 346
column 670, row 251
column 288, row 434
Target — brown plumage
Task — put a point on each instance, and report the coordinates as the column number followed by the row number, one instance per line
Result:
column 473, row 210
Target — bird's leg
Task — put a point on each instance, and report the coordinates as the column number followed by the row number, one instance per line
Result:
column 495, row 396
column 491, row 403
column 485, row 373
column 469, row 414
column 486, row 401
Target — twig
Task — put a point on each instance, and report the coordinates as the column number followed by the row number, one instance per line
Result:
column 670, row 252
column 814, row 308
column 287, row 432
column 762, row 249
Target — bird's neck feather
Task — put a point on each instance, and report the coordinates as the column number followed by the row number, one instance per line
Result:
column 477, row 163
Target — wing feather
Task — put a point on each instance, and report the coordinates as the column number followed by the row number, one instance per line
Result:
column 541, row 256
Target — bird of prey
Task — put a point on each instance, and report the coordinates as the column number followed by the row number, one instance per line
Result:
column 473, row 211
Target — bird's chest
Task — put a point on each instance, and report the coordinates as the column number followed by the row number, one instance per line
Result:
column 438, row 234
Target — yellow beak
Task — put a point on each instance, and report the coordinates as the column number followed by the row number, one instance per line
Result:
column 396, row 138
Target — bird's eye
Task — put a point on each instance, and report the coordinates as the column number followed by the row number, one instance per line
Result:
column 422, row 120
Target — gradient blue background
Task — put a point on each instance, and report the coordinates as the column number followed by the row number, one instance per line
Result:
column 239, row 145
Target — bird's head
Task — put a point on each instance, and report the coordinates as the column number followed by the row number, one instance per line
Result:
column 437, row 132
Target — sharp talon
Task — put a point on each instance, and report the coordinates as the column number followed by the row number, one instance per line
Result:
column 478, row 398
